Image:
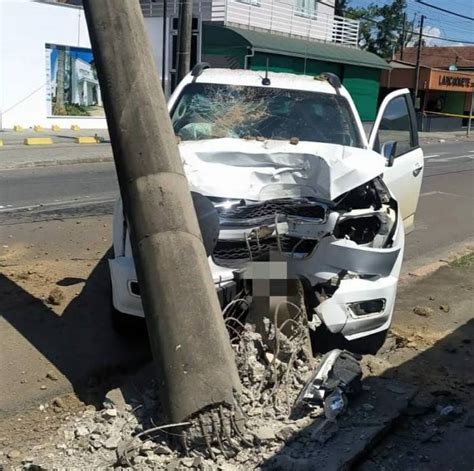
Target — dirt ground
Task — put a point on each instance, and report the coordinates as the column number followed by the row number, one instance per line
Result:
column 58, row 346
column 55, row 325
column 433, row 348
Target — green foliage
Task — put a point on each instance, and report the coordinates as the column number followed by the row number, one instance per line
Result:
column 73, row 109
column 464, row 262
column 381, row 27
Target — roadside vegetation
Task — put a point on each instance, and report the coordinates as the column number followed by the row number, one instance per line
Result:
column 466, row 261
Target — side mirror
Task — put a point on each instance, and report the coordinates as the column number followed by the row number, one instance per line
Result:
column 389, row 150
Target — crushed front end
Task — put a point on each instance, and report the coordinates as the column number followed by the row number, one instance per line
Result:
column 347, row 252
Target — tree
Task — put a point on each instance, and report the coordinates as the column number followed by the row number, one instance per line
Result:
column 381, row 27
column 59, row 107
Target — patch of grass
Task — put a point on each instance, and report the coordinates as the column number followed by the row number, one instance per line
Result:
column 465, row 261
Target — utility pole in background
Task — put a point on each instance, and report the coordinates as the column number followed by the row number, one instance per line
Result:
column 469, row 120
column 193, row 358
column 402, row 45
column 185, row 31
column 418, row 56
column 164, row 51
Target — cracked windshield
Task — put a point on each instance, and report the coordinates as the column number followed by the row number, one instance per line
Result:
column 211, row 111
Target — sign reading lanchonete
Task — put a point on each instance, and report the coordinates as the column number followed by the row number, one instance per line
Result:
column 450, row 81
column 72, row 87
column 454, row 81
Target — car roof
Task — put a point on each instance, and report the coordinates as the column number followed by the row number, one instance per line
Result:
column 253, row 78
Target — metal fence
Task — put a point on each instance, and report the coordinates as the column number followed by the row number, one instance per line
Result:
column 268, row 15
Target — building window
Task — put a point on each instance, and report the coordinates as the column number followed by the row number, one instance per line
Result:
column 307, row 8
column 255, row 3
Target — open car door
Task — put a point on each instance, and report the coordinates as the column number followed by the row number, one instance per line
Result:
column 395, row 136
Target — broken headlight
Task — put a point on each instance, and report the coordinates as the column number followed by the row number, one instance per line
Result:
column 367, row 215
column 364, row 308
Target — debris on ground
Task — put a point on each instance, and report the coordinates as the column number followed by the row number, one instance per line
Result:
column 129, row 430
column 423, row 311
column 55, row 297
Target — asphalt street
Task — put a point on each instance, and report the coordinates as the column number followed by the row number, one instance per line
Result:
column 445, row 215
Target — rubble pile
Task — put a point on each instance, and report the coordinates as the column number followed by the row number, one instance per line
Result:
column 132, row 433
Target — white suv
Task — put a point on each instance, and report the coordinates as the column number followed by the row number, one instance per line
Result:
column 280, row 164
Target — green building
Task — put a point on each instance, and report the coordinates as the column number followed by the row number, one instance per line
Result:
column 359, row 71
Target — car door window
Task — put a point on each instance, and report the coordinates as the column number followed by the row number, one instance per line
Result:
column 396, row 125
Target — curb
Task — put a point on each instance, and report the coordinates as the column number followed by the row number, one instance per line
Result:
column 443, row 259
column 53, row 163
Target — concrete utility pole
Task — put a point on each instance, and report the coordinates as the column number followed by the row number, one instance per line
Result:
column 402, row 45
column 190, row 344
column 185, row 31
column 418, row 56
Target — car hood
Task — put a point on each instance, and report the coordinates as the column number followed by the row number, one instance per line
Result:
column 262, row 170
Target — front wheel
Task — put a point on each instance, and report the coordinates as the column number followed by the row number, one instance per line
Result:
column 323, row 341
column 126, row 324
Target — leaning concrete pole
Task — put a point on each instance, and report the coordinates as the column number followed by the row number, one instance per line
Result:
column 194, row 361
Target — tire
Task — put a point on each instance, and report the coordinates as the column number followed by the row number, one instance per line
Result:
column 126, row 324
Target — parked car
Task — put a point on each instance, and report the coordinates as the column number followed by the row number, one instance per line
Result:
column 286, row 163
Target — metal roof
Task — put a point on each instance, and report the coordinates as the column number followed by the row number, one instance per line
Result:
column 279, row 44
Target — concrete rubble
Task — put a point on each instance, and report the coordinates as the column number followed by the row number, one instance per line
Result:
column 277, row 435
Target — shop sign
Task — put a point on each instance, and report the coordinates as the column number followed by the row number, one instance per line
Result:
column 450, row 81
column 454, row 81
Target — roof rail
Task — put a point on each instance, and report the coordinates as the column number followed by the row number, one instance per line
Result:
column 333, row 80
column 199, row 67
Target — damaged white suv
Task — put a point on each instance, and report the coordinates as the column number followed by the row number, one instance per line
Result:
column 284, row 166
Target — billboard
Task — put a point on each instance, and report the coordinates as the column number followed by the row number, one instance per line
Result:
column 72, row 88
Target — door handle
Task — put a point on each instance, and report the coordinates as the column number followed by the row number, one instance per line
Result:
column 416, row 171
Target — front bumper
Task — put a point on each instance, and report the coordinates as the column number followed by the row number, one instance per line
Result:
column 372, row 274
column 126, row 299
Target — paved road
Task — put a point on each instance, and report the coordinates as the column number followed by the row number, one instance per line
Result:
column 64, row 187
column 445, row 214
column 444, row 217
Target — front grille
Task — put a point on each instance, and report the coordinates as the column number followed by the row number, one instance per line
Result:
column 286, row 207
column 239, row 250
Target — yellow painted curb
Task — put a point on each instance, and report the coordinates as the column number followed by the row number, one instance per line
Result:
column 38, row 128
column 75, row 127
column 17, row 128
column 1, row 142
column 35, row 141
column 55, row 127
column 86, row 140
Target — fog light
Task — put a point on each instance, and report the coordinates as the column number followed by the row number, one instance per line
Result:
column 373, row 306
column 134, row 288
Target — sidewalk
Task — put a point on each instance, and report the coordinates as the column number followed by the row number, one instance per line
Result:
column 429, row 137
column 63, row 136
column 64, row 150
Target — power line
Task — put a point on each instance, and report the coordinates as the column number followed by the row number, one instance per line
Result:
column 445, row 11
column 413, row 31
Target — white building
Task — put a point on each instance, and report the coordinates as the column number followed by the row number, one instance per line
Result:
column 26, row 28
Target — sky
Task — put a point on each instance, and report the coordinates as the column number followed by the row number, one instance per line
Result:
column 438, row 23
column 84, row 54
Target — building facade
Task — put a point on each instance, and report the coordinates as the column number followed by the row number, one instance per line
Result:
column 47, row 71
column 446, row 84
column 296, row 36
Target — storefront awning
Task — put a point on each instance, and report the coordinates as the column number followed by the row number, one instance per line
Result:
column 229, row 37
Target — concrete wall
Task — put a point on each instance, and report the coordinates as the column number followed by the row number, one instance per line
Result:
column 25, row 28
